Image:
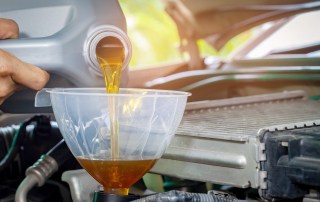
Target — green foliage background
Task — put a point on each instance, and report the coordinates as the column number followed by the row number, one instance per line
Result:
column 155, row 38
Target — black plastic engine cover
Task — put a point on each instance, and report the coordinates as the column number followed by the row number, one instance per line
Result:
column 292, row 162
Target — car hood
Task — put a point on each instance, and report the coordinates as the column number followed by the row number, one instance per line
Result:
column 219, row 21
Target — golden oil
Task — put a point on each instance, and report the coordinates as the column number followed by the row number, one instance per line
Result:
column 116, row 176
column 110, row 55
column 110, row 58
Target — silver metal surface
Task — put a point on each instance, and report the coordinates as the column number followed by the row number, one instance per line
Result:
column 27, row 184
column 241, row 118
column 43, row 169
column 218, row 141
column 36, row 175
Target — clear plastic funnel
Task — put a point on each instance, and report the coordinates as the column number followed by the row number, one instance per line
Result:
column 117, row 138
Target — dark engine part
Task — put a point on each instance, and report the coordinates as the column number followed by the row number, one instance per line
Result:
column 293, row 163
column 20, row 147
column 170, row 196
column 101, row 196
column 181, row 196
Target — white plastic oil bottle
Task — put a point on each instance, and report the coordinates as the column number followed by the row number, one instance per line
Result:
column 61, row 37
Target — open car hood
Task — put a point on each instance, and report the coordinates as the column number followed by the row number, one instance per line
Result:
column 219, row 21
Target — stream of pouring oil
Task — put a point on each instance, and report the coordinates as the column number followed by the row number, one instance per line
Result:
column 110, row 58
column 117, row 174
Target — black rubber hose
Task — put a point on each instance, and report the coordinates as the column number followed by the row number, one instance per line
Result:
column 5, row 132
column 18, row 140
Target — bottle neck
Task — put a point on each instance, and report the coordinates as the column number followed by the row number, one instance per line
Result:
column 106, row 35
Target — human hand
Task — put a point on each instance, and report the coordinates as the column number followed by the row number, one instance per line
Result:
column 8, row 29
column 15, row 73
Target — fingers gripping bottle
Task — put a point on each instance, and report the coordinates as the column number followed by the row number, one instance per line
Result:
column 61, row 37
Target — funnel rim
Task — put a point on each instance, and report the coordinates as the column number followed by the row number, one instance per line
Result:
column 136, row 92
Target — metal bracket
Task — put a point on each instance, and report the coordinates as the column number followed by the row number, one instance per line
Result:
column 262, row 177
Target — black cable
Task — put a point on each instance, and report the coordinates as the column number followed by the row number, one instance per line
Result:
column 60, row 152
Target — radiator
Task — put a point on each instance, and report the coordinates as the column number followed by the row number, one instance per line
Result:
column 221, row 141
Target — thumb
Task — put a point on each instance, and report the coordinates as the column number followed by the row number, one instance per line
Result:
column 8, row 29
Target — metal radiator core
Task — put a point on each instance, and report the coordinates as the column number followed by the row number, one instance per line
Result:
column 218, row 141
column 240, row 118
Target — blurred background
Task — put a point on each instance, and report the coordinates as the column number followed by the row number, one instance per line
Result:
column 155, row 39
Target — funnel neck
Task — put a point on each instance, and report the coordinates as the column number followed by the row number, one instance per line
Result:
column 106, row 197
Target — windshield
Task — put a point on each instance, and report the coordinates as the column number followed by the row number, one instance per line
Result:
column 301, row 31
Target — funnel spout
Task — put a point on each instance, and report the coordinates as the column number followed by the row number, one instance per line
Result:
column 42, row 98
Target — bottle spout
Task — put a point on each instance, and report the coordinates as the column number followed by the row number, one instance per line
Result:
column 105, row 36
